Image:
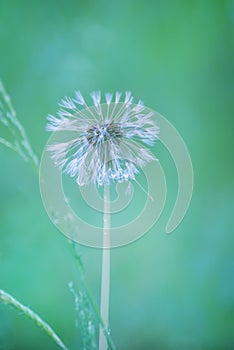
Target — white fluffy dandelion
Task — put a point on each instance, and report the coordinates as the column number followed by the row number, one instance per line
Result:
column 109, row 138
column 109, row 145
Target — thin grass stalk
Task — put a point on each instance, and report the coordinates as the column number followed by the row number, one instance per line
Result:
column 88, row 292
column 10, row 300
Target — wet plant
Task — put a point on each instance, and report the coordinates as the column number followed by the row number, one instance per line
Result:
column 109, row 146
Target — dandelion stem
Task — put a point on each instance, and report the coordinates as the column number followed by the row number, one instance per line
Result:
column 105, row 283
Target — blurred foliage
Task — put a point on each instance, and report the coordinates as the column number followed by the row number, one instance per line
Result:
column 167, row 292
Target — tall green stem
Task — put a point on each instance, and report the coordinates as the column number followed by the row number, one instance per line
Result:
column 105, row 284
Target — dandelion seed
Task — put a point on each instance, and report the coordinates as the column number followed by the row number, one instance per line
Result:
column 117, row 97
column 108, row 97
column 79, row 98
column 110, row 137
column 96, row 96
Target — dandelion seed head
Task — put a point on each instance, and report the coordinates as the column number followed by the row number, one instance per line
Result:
column 97, row 134
column 109, row 138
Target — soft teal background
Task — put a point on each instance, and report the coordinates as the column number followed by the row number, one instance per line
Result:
column 167, row 292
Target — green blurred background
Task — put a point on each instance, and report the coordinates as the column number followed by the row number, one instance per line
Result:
column 167, row 292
